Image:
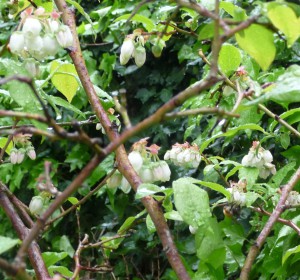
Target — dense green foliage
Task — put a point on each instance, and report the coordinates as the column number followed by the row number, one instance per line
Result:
column 260, row 72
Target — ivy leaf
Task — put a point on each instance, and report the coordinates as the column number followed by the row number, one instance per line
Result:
column 7, row 243
column 278, row 14
column 64, row 78
column 258, row 42
column 229, row 59
column 191, row 202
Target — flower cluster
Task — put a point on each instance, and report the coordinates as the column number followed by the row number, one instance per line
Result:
column 40, row 35
column 133, row 46
column 293, row 199
column 237, row 191
column 146, row 163
column 184, row 155
column 24, row 145
column 260, row 158
column 39, row 203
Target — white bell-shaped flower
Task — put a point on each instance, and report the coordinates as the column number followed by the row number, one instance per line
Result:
column 127, row 50
column 17, row 42
column 32, row 27
column 64, row 36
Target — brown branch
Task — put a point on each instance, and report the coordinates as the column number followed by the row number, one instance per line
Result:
column 288, row 223
column 13, row 270
column 254, row 250
column 59, row 200
column 32, row 249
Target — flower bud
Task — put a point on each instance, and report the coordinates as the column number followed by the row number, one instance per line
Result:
column 17, row 42
column 115, row 180
column 64, row 36
column 125, row 186
column 20, row 155
column 127, row 50
column 146, row 174
column 50, row 45
column 36, row 205
column 32, row 66
column 13, row 156
column 136, row 160
column 139, row 56
column 31, row 153
column 34, row 44
column 31, row 27
column 53, row 25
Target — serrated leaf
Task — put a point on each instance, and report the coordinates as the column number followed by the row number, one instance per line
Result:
column 3, row 141
column 229, row 59
column 285, row 19
column 7, row 243
column 258, row 42
column 149, row 25
column 192, row 202
column 64, row 78
column 230, row 132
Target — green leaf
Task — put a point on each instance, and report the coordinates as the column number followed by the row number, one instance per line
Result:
column 3, row 141
column 250, row 174
column 150, row 189
column 63, row 244
column 290, row 252
column 61, row 270
column 216, row 187
column 230, row 132
column 229, row 59
column 47, row 5
column 235, row 11
column 149, row 25
column 282, row 173
column 286, row 90
column 64, row 78
column 7, row 243
column 191, row 202
column 73, row 200
column 173, row 215
column 126, row 225
column 285, row 19
column 285, row 115
column 209, row 243
column 81, row 10
column 51, row 258
column 258, row 42
column 63, row 103
column 150, row 225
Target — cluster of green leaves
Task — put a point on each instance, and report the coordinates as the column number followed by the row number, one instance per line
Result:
column 269, row 51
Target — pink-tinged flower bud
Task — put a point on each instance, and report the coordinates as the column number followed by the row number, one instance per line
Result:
column 127, row 50
column 13, row 156
column 136, row 160
column 31, row 153
column 36, row 205
column 64, row 37
column 115, row 180
column 17, row 42
column 50, row 45
column 32, row 27
column 20, row 155
column 53, row 25
column 139, row 56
